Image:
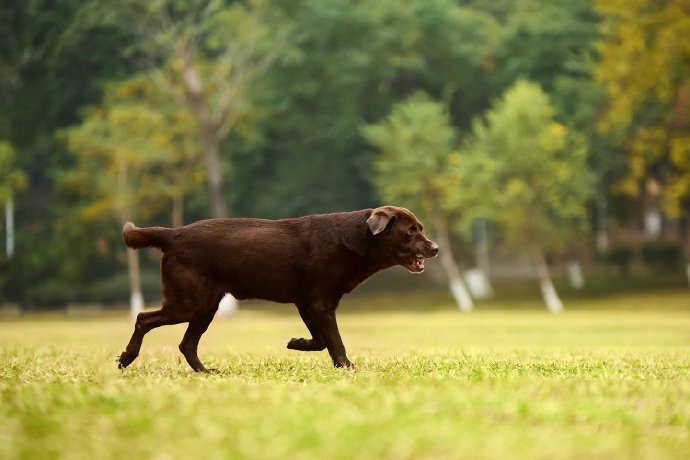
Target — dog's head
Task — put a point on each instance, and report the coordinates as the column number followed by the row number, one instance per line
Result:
column 401, row 239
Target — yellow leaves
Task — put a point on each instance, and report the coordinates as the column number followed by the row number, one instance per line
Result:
column 454, row 159
column 649, row 142
column 645, row 65
column 679, row 185
column 133, row 146
column 680, row 152
column 517, row 189
column 557, row 130
column 12, row 179
column 675, row 193
column 553, row 138
column 638, row 166
column 645, row 51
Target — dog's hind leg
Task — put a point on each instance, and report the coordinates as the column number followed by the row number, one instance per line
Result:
column 145, row 322
column 328, row 327
column 190, row 341
column 316, row 343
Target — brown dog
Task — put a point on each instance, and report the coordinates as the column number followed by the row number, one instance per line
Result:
column 310, row 261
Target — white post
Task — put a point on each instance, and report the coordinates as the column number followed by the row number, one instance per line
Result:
column 136, row 298
column 227, row 306
column 652, row 222
column 575, row 276
column 455, row 282
column 548, row 291
column 9, row 225
column 136, row 303
column 553, row 302
column 461, row 295
column 483, row 261
column 478, row 283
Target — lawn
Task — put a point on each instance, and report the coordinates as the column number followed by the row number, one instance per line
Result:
column 608, row 378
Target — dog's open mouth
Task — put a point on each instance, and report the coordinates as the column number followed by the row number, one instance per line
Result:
column 415, row 264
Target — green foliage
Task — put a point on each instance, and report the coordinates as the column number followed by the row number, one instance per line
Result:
column 416, row 142
column 54, row 59
column 285, row 87
column 11, row 178
column 136, row 154
column 546, row 42
column 525, row 172
column 347, row 64
column 621, row 256
column 647, row 112
column 662, row 255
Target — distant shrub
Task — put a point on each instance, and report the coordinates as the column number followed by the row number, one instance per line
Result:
column 620, row 256
column 661, row 255
column 115, row 289
column 111, row 290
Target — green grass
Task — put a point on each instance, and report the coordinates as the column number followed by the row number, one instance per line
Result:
column 608, row 378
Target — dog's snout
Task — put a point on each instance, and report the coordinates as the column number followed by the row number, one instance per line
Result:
column 434, row 249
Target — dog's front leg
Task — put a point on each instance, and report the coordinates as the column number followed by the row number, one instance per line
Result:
column 328, row 327
column 316, row 343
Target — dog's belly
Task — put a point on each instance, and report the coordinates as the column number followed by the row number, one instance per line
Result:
column 267, row 275
column 265, row 286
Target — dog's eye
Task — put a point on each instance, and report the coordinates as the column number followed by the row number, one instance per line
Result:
column 410, row 232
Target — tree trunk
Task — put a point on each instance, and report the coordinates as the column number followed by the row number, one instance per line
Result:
column 455, row 282
column 178, row 210
column 602, row 236
column 548, row 291
column 210, row 134
column 136, row 301
column 9, row 226
column 483, row 261
column 575, row 276
column 215, row 178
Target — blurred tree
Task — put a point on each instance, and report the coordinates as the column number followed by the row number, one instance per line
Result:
column 295, row 136
column 545, row 42
column 134, row 152
column 348, row 63
column 645, row 65
column 416, row 142
column 555, row 44
column 214, row 51
column 528, row 174
column 53, row 59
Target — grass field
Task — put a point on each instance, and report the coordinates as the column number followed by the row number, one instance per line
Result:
column 608, row 378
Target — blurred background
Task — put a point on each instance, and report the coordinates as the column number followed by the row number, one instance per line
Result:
column 543, row 144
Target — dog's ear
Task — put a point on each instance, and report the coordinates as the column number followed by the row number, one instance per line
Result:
column 380, row 219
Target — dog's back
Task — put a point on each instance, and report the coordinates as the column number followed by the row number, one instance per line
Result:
column 277, row 260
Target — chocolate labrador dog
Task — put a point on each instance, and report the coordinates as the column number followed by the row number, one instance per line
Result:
column 310, row 261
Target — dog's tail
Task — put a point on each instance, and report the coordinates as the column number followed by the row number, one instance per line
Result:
column 149, row 237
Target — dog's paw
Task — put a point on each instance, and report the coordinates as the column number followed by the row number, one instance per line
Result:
column 124, row 360
column 296, row 344
column 344, row 364
column 305, row 345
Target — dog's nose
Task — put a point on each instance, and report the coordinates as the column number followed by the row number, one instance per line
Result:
column 434, row 249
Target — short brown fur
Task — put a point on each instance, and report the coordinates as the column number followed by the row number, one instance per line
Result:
column 310, row 261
